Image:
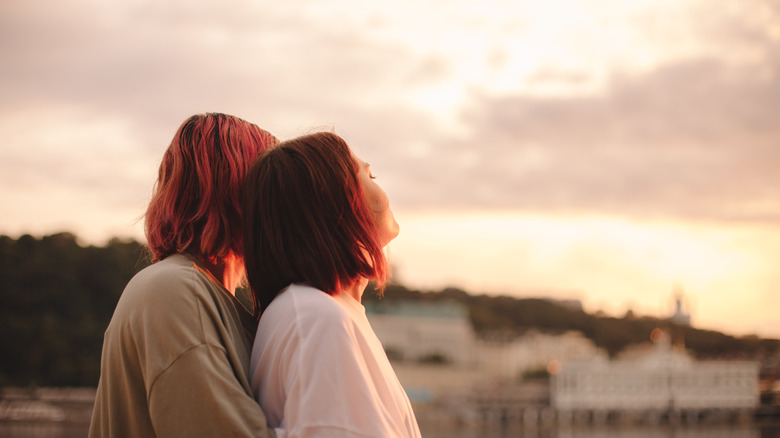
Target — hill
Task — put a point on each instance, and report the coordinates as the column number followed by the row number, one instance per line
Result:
column 57, row 297
column 513, row 316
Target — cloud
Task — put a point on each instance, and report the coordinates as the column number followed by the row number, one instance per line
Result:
column 696, row 138
column 157, row 64
column 93, row 92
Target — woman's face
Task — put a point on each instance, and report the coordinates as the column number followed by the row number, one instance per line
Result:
column 377, row 202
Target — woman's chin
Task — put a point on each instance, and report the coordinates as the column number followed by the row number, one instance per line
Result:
column 389, row 233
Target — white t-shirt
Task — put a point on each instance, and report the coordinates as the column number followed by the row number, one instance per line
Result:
column 318, row 369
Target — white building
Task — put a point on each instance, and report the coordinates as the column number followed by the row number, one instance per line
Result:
column 534, row 351
column 412, row 330
column 662, row 380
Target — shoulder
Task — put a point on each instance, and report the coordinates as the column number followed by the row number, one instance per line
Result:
column 169, row 280
column 173, row 271
column 168, row 290
column 304, row 310
column 307, row 302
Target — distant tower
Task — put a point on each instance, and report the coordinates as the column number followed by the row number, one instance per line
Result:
column 681, row 314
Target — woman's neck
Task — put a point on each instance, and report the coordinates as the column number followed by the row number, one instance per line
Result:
column 228, row 270
column 356, row 289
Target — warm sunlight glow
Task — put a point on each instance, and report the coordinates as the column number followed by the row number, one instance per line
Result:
column 604, row 151
column 554, row 367
column 612, row 265
column 657, row 335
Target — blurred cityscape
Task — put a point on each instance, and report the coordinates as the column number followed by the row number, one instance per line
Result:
column 473, row 365
column 538, row 379
column 459, row 381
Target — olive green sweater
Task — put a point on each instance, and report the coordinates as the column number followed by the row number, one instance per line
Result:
column 175, row 359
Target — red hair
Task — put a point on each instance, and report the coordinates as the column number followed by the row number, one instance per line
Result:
column 195, row 205
column 307, row 221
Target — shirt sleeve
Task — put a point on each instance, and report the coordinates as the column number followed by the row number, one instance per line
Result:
column 332, row 387
column 197, row 396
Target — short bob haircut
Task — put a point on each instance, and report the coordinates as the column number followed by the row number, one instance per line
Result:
column 307, row 221
column 196, row 201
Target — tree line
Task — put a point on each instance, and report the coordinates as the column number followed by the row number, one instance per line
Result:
column 57, row 297
column 510, row 317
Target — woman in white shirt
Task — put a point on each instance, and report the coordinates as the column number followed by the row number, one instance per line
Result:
column 316, row 224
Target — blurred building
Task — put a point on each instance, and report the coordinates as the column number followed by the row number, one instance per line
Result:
column 413, row 331
column 662, row 380
column 534, row 351
column 424, row 332
column 682, row 314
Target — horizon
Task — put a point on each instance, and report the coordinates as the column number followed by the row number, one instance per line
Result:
column 552, row 294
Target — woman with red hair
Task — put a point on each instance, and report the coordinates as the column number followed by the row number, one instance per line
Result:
column 316, row 224
column 176, row 352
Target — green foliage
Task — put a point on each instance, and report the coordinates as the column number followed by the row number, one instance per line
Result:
column 56, row 299
column 535, row 374
column 514, row 316
column 433, row 358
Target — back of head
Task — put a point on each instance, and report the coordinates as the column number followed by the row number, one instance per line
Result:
column 306, row 220
column 196, row 206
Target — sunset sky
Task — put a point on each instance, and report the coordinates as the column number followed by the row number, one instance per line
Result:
column 604, row 150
